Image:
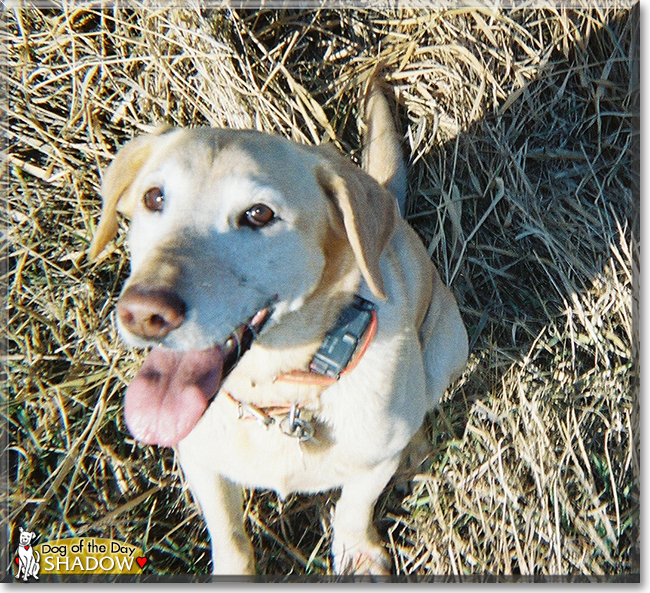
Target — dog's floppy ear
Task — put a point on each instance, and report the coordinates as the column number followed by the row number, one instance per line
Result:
column 369, row 213
column 117, row 179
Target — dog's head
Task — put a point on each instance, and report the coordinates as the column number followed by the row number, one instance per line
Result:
column 25, row 537
column 228, row 228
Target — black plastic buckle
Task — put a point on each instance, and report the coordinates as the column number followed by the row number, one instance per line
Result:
column 342, row 340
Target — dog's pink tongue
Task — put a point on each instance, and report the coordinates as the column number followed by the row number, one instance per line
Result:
column 170, row 392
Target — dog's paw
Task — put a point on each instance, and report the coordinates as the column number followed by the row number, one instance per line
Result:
column 233, row 562
column 371, row 559
column 233, row 566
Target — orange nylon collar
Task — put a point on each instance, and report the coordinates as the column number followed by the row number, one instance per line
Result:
column 265, row 414
column 311, row 378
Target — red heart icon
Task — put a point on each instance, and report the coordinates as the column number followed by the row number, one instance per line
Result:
column 26, row 547
column 17, row 560
column 141, row 562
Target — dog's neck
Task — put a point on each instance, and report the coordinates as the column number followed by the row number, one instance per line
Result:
column 290, row 344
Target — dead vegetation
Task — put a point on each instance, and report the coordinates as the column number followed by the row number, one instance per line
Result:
column 521, row 129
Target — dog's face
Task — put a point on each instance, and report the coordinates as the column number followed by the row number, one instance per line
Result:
column 220, row 220
column 228, row 228
column 26, row 537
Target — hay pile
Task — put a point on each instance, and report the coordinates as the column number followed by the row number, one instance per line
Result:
column 521, row 128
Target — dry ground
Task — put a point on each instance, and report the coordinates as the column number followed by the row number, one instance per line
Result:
column 521, row 129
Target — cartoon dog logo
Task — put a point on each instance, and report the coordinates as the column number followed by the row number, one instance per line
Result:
column 28, row 559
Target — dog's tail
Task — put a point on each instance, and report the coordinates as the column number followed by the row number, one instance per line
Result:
column 382, row 154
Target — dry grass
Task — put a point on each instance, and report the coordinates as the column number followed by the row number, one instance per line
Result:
column 521, row 127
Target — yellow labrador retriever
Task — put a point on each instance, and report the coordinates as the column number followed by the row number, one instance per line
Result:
column 299, row 331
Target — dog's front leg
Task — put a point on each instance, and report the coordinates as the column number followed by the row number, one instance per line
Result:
column 221, row 502
column 356, row 546
column 33, row 568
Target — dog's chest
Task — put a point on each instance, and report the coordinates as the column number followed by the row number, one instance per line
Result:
column 367, row 417
column 254, row 455
column 246, row 452
column 25, row 553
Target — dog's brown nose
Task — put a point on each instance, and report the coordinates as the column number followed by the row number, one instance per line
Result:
column 150, row 312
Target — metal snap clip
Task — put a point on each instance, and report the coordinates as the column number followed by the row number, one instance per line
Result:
column 294, row 426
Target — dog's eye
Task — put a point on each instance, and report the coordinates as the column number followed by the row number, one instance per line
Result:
column 154, row 199
column 257, row 216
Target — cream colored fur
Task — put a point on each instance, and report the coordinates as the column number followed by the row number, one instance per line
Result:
column 339, row 233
